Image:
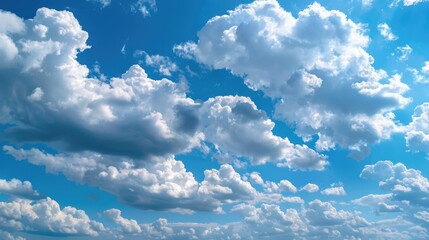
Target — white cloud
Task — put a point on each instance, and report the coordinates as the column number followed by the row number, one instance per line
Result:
column 367, row 3
column 131, row 116
column 144, row 7
column 46, row 217
column 163, row 64
column 334, row 190
column 417, row 134
column 19, row 189
column 128, row 226
column 405, row 52
column 256, row 178
column 315, row 221
column 104, row 3
column 314, row 65
column 407, row 3
column 386, row 32
column 236, row 126
column 161, row 185
column 8, row 236
column 310, row 187
column 406, row 185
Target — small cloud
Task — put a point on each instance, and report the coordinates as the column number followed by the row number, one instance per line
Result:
column 335, row 189
column 386, row 32
column 123, row 49
column 405, row 52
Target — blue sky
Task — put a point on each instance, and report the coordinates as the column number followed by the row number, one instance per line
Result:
column 266, row 119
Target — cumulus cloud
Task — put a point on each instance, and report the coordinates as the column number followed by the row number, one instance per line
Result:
column 236, row 126
column 417, row 134
column 386, row 32
column 405, row 184
column 381, row 203
column 163, row 64
column 314, row 221
column 315, row 66
column 48, row 97
column 8, row 236
column 310, row 187
column 45, row 217
column 55, row 101
column 334, row 190
column 19, row 189
column 128, row 226
column 162, row 185
column 421, row 76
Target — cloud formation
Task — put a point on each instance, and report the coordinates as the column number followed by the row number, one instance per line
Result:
column 19, row 189
column 48, row 97
column 323, row 79
column 45, row 217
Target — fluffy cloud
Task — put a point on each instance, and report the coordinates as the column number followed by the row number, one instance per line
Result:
column 127, row 225
column 422, row 75
column 380, row 203
column 8, row 236
column 237, row 127
column 163, row 64
column 407, row 3
column 316, row 220
column 386, row 32
column 315, row 65
column 334, row 190
column 48, row 97
column 19, row 189
column 417, row 135
column 161, row 185
column 405, row 184
column 47, row 218
column 54, row 101
column 310, row 187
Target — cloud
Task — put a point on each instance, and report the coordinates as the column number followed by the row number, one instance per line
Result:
column 45, row 217
column 310, row 187
column 314, row 221
column 104, row 3
column 407, row 3
column 367, row 3
column 144, row 7
column 421, row 76
column 237, row 127
column 334, row 190
column 405, row 52
column 163, row 64
column 386, row 32
column 19, row 189
column 417, row 134
column 407, row 185
column 55, row 102
column 8, row 236
column 315, row 66
column 162, row 185
column 128, row 226
column 380, row 202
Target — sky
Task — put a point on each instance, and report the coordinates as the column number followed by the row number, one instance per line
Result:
column 214, row 119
